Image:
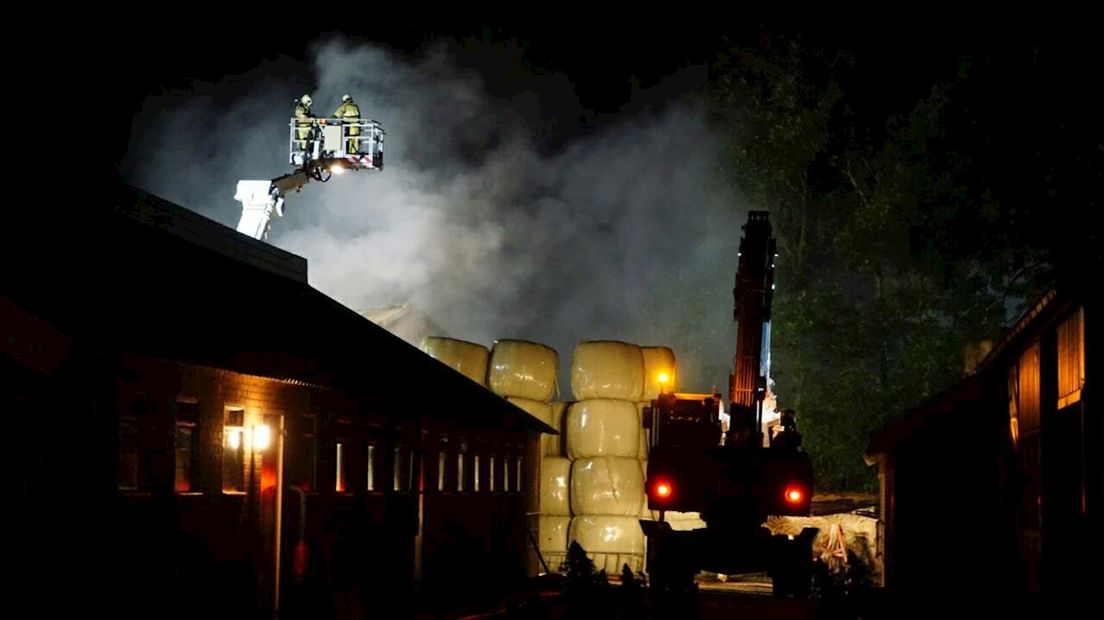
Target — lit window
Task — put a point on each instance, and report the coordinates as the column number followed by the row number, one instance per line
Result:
column 460, row 472
column 233, row 451
column 491, row 475
column 371, row 467
column 442, row 463
column 339, row 472
column 1028, row 390
column 397, row 468
column 1071, row 359
column 475, row 470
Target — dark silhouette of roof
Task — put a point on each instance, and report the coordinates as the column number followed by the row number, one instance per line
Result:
column 120, row 277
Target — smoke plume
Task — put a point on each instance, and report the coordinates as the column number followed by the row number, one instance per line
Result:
column 489, row 216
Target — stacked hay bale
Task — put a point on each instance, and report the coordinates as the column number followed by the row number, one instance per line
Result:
column 467, row 358
column 525, row 374
column 603, row 432
column 555, row 507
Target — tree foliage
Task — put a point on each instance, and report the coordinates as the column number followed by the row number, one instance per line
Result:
column 903, row 233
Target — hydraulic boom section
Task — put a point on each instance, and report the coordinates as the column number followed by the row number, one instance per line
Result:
column 326, row 147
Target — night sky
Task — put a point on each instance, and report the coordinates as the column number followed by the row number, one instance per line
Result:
column 563, row 157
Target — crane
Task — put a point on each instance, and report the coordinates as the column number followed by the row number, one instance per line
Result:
column 330, row 146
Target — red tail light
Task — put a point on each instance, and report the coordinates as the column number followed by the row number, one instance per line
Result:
column 663, row 489
column 794, row 494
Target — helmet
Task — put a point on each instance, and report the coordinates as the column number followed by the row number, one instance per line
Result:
column 306, row 100
column 346, row 98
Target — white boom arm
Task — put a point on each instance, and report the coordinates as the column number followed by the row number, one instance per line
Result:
column 260, row 198
column 332, row 146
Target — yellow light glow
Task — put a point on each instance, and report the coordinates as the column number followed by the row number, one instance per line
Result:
column 262, row 436
column 662, row 378
column 233, row 437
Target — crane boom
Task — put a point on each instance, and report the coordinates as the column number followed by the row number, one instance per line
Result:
column 332, row 147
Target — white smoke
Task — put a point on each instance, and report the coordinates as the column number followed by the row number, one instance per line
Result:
column 622, row 233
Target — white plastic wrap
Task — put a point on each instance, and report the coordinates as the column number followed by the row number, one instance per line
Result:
column 608, row 534
column 553, row 445
column 469, row 358
column 607, row 486
column 658, row 360
column 555, row 498
column 602, row 427
column 553, row 534
column 607, row 369
column 535, row 408
column 523, row 369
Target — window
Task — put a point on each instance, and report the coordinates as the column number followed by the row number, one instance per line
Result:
column 1014, row 405
column 442, row 465
column 491, row 474
column 405, row 470
column 460, row 471
column 1071, row 359
column 186, row 447
column 1028, row 390
column 399, row 470
column 233, row 450
column 475, row 469
column 339, row 472
column 517, row 474
column 306, row 466
column 128, row 473
column 371, row 456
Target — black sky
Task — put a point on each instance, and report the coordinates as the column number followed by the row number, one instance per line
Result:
column 606, row 61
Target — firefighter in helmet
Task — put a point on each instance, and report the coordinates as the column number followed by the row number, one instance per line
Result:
column 349, row 112
column 303, row 121
column 787, row 437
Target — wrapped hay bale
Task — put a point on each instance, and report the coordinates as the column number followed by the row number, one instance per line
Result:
column 523, row 369
column 468, row 358
column 555, row 498
column 553, row 540
column 657, row 361
column 602, row 427
column 535, row 408
column 553, row 445
column 607, row 369
column 610, row 541
column 607, row 486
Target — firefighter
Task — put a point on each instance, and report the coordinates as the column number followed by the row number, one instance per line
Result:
column 787, row 438
column 303, row 121
column 349, row 112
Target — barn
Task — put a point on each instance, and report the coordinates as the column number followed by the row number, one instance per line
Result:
column 992, row 490
column 196, row 430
